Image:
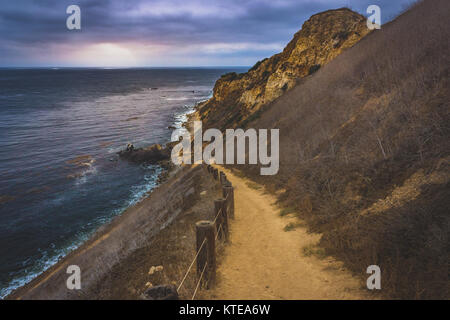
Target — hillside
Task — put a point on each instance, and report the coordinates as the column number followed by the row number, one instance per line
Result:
column 324, row 36
column 364, row 143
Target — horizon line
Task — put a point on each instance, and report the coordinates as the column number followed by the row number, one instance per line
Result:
column 106, row 67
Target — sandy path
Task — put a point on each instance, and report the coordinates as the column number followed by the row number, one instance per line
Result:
column 265, row 262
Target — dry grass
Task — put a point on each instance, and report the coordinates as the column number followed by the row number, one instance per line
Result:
column 173, row 248
column 253, row 185
column 286, row 211
column 290, row 227
column 314, row 250
column 355, row 132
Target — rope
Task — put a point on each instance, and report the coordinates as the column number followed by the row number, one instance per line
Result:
column 199, row 280
column 218, row 231
column 217, row 215
column 192, row 263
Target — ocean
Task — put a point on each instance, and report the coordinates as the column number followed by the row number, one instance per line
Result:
column 60, row 130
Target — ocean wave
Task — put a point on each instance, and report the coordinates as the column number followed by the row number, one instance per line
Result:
column 178, row 99
column 87, row 163
column 40, row 266
column 16, row 95
column 83, row 178
column 114, row 150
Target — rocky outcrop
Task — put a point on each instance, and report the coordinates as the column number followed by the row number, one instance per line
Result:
column 237, row 98
column 153, row 154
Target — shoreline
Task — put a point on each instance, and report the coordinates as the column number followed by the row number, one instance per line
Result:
column 125, row 230
column 103, row 231
column 92, row 238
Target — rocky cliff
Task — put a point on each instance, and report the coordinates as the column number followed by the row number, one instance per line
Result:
column 238, row 97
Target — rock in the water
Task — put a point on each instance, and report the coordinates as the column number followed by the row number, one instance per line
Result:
column 152, row 154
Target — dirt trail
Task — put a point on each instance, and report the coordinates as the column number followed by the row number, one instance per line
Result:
column 265, row 262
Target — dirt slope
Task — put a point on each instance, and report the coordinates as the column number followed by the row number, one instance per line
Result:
column 265, row 262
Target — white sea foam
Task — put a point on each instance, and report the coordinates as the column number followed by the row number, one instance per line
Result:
column 178, row 99
column 42, row 265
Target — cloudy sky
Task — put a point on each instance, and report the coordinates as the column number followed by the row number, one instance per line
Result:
column 132, row 33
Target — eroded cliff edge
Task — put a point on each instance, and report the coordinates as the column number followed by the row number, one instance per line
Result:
column 237, row 98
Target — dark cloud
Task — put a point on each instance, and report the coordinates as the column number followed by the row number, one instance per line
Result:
column 34, row 32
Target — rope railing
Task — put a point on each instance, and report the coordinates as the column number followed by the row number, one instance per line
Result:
column 207, row 234
column 199, row 281
column 217, row 215
column 191, row 265
column 219, row 231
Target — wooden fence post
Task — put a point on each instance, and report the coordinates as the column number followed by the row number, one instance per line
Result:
column 223, row 178
column 228, row 193
column 216, row 174
column 205, row 230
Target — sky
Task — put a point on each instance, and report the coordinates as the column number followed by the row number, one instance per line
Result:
column 152, row 33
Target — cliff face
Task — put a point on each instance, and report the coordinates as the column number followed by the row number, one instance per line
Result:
column 324, row 36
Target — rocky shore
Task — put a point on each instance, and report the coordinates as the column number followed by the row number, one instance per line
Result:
column 158, row 231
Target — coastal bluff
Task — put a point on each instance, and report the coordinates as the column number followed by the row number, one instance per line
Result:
column 238, row 98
